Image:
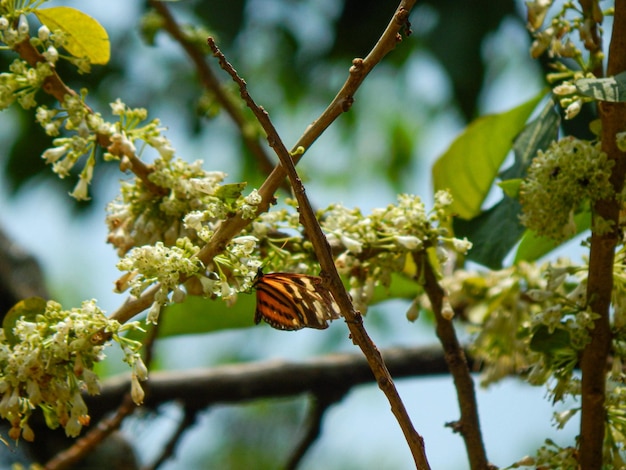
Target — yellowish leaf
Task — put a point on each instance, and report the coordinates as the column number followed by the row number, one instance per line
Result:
column 85, row 36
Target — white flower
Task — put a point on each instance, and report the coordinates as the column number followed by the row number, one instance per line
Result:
column 53, row 154
column 565, row 88
column 462, row 246
column 43, row 33
column 117, row 107
column 447, row 312
column 80, row 192
column 409, row 242
column 136, row 392
column 352, row 245
column 254, row 198
column 153, row 313
column 51, row 54
column 573, row 109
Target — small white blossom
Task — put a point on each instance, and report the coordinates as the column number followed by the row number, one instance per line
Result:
column 53, row 154
column 80, row 192
column 352, row 245
column 565, row 88
column 43, row 33
column 462, row 246
column 254, row 198
column 136, row 391
column 410, row 242
column 51, row 55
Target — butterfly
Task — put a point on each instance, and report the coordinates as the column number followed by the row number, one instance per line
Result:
column 288, row 301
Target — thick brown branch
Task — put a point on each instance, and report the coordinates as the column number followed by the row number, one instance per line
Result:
column 237, row 383
column 601, row 259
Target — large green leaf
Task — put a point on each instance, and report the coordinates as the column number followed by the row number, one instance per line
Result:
column 85, row 36
column 199, row 315
column 470, row 165
column 495, row 232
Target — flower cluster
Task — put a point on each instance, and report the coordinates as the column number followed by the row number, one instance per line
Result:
column 192, row 204
column 87, row 128
column 551, row 455
column 560, row 180
column 368, row 248
column 556, row 41
column 525, row 319
column 21, row 83
column 13, row 25
column 160, row 233
column 47, row 360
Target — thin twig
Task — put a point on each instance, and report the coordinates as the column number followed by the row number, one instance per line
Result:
column 329, row 271
column 313, row 427
column 235, row 224
column 469, row 425
column 188, row 419
column 85, row 445
column 211, row 83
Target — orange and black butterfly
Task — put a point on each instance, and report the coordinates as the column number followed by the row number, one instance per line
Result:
column 288, row 301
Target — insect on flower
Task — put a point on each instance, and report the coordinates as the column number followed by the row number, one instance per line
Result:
column 288, row 301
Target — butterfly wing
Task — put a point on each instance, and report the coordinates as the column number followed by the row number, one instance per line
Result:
column 288, row 301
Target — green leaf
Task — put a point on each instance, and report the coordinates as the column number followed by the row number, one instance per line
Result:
column 85, row 36
column 200, row 315
column 470, row 165
column 537, row 135
column 532, row 247
column 548, row 342
column 511, row 187
column 611, row 89
column 495, row 231
column 230, row 192
column 27, row 310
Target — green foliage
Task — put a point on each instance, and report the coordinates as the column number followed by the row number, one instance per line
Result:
column 85, row 37
column 470, row 165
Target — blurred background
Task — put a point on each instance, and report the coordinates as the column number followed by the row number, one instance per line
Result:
column 464, row 59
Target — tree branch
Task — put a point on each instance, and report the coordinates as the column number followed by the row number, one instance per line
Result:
column 313, row 427
column 211, row 83
column 237, row 383
column 329, row 271
column 601, row 259
column 469, row 424
column 235, row 224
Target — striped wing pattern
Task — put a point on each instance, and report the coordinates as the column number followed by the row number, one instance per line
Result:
column 288, row 301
